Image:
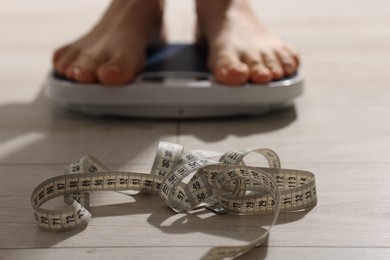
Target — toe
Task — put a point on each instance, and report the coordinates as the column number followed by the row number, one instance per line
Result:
column 65, row 60
column 84, row 67
column 111, row 74
column 120, row 69
column 259, row 73
column 235, row 74
column 294, row 54
column 58, row 53
column 271, row 62
column 229, row 69
column 83, row 74
column 287, row 62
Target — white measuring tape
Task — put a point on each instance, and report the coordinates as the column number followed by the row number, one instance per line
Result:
column 226, row 186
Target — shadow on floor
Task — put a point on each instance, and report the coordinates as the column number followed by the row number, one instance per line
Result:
column 61, row 136
column 213, row 130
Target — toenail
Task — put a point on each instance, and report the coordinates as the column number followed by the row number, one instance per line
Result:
column 61, row 67
column 288, row 68
column 261, row 77
column 76, row 70
column 277, row 73
column 115, row 68
column 223, row 71
column 262, row 74
column 240, row 67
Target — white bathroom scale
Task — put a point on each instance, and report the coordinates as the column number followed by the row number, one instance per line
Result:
column 175, row 83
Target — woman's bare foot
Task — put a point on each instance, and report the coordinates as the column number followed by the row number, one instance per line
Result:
column 241, row 49
column 114, row 50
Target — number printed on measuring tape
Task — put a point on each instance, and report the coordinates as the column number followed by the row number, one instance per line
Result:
column 225, row 185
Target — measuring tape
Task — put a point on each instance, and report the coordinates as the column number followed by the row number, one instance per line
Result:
column 184, row 181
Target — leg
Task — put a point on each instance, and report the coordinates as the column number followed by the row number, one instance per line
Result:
column 241, row 48
column 114, row 50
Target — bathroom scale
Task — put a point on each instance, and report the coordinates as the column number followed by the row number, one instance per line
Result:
column 175, row 83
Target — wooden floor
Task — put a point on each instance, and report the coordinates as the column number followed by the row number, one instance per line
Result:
column 339, row 129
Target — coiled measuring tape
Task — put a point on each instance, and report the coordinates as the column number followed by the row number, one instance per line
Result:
column 224, row 186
